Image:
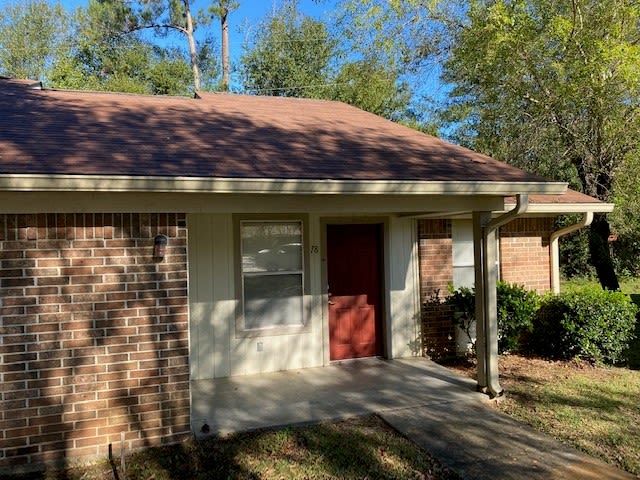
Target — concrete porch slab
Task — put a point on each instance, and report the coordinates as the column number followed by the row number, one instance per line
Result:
column 323, row 394
column 434, row 407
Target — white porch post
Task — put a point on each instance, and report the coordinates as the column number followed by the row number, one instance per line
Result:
column 485, row 246
column 485, row 253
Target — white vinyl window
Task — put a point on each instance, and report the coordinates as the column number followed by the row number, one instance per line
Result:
column 463, row 261
column 463, row 255
column 272, row 274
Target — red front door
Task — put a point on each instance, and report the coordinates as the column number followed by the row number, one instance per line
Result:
column 354, row 265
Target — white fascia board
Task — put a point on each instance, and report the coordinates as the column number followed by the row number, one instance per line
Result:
column 534, row 210
column 95, row 183
column 549, row 209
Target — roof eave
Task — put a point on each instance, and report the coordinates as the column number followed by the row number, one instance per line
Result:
column 118, row 183
column 550, row 209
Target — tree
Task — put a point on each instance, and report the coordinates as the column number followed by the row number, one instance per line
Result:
column 405, row 34
column 295, row 55
column 169, row 72
column 32, row 33
column 625, row 219
column 553, row 86
column 222, row 11
column 549, row 86
column 374, row 88
column 102, row 57
column 162, row 17
column 290, row 57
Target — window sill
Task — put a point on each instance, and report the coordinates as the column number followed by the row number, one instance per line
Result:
column 273, row 331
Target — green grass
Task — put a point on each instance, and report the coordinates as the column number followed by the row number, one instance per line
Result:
column 630, row 286
column 597, row 410
column 355, row 449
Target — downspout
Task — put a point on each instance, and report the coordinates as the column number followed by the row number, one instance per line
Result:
column 555, row 251
column 522, row 203
column 486, row 296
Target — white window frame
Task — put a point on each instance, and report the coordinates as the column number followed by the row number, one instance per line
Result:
column 463, row 262
column 241, row 328
column 463, row 274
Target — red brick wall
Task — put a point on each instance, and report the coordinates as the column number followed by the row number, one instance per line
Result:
column 94, row 335
column 436, row 272
column 436, row 260
column 524, row 253
column 524, row 259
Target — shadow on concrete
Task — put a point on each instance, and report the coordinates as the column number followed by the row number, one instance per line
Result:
column 323, row 394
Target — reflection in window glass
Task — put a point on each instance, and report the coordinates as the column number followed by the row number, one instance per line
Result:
column 269, row 247
column 462, row 252
column 272, row 274
column 272, row 301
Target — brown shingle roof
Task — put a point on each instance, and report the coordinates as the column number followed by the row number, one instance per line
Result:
column 570, row 196
column 222, row 136
column 570, row 201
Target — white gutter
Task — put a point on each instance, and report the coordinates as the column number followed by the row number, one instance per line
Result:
column 553, row 209
column 522, row 204
column 124, row 183
column 555, row 250
column 533, row 210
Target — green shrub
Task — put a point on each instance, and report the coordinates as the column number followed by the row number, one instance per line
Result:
column 516, row 309
column 463, row 303
column 590, row 323
column 632, row 353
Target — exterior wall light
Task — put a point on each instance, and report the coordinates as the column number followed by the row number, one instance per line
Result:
column 160, row 246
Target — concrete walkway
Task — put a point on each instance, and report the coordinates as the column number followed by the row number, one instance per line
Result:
column 437, row 409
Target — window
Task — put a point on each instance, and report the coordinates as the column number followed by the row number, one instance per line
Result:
column 272, row 275
column 463, row 260
column 463, row 254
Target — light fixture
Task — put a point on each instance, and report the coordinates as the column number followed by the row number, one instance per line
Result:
column 160, row 246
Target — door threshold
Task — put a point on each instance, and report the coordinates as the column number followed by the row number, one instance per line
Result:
column 347, row 361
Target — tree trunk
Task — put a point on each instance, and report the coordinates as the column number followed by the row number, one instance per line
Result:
column 192, row 46
column 600, row 254
column 224, row 24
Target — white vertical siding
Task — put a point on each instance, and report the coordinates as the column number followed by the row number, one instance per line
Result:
column 403, row 322
column 216, row 350
column 314, row 343
column 211, row 296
